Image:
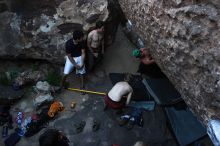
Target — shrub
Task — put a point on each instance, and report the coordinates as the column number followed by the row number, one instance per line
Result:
column 53, row 78
column 3, row 79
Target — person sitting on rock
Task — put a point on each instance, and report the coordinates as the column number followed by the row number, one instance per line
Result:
column 118, row 96
column 95, row 43
column 75, row 57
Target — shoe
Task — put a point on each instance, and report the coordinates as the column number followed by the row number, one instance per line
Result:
column 123, row 120
column 130, row 124
column 4, row 131
column 79, row 127
column 95, row 126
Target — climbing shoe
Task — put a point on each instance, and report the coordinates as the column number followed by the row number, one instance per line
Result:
column 123, row 120
column 95, row 126
column 130, row 123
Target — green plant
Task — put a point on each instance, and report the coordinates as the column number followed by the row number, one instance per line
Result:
column 53, row 78
column 3, row 79
column 34, row 67
column 13, row 73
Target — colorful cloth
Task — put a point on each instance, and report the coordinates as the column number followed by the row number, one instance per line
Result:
column 55, row 108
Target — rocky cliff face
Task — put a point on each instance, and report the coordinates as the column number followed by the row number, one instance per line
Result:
column 184, row 39
column 38, row 29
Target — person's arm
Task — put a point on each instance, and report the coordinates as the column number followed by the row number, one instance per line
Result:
column 129, row 97
column 147, row 61
column 89, row 41
column 68, row 54
column 72, row 61
column 83, row 57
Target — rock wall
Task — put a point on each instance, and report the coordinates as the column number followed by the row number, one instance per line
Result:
column 38, row 29
column 184, row 39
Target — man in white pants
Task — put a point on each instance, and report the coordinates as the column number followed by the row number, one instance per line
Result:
column 75, row 57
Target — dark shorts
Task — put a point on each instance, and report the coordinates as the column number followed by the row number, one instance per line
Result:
column 92, row 61
column 112, row 104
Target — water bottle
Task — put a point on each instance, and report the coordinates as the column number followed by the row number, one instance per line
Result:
column 4, row 131
column 140, row 43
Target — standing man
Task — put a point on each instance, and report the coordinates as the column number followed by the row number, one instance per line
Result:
column 118, row 96
column 95, row 43
column 75, row 57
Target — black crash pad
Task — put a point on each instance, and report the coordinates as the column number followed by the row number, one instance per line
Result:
column 162, row 91
column 140, row 92
column 185, row 126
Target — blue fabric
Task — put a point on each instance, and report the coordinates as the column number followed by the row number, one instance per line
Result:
column 137, row 115
column 213, row 130
column 147, row 105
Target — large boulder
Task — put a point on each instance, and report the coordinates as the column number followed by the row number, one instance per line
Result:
column 183, row 38
column 38, row 29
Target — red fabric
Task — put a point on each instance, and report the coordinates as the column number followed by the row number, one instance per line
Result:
column 112, row 104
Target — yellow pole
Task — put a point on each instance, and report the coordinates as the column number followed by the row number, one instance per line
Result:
column 87, row 91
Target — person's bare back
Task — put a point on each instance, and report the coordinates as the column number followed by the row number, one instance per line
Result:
column 119, row 90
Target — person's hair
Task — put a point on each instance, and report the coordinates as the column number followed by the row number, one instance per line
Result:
column 99, row 24
column 77, row 34
column 49, row 138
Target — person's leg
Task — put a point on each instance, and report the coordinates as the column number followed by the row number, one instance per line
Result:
column 82, row 73
column 67, row 69
column 82, row 76
column 63, row 80
column 91, row 62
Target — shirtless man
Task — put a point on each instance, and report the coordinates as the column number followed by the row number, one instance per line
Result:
column 144, row 56
column 118, row 96
column 95, row 43
column 147, row 66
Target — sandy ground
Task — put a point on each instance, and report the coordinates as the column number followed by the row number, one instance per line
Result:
column 118, row 59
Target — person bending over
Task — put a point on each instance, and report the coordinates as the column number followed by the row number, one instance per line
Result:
column 75, row 57
column 118, row 96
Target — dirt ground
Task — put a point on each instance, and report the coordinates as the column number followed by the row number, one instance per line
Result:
column 118, row 59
